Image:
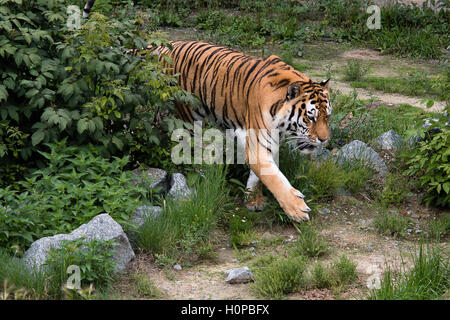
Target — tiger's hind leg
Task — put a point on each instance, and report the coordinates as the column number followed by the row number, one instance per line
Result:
column 255, row 201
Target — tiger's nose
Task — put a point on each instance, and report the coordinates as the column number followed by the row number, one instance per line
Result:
column 322, row 140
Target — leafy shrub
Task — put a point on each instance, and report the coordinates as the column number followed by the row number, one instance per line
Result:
column 281, row 277
column 430, row 166
column 94, row 258
column 77, row 84
column 77, row 185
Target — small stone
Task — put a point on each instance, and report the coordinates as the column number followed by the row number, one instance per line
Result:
column 418, row 231
column 252, row 249
column 324, row 211
column 239, row 275
column 177, row 267
column 370, row 245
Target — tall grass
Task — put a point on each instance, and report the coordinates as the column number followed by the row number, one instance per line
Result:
column 429, row 278
column 16, row 278
column 186, row 224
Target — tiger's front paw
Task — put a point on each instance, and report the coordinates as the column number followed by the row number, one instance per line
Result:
column 294, row 205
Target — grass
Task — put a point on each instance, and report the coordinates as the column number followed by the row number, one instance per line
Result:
column 17, row 281
column 280, row 277
column 354, row 71
column 416, row 84
column 309, row 243
column 185, row 225
column 145, row 287
column 427, row 279
column 395, row 190
column 391, row 224
column 440, row 227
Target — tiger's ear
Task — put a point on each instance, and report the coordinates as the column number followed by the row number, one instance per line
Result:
column 293, row 91
column 325, row 83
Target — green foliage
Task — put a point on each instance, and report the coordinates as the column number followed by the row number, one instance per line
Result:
column 416, row 84
column 94, row 258
column 77, row 185
column 345, row 270
column 354, row 71
column 430, row 166
column 309, row 243
column 145, row 287
column 78, row 84
column 185, row 224
column 395, row 189
column 341, row 273
column 428, row 279
column 18, row 281
column 440, row 227
column 280, row 277
column 392, row 224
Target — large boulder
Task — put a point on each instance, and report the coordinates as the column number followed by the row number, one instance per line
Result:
column 152, row 178
column 359, row 151
column 101, row 227
column 321, row 154
column 389, row 140
column 179, row 188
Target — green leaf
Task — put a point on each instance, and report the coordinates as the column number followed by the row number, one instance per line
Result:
column 37, row 137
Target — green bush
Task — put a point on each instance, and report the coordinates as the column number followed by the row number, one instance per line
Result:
column 77, row 185
column 430, row 166
column 77, row 84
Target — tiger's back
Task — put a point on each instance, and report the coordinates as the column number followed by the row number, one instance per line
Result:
column 228, row 82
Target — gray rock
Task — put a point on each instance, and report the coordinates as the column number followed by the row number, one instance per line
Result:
column 389, row 141
column 152, row 178
column 177, row 267
column 101, row 227
column 359, row 151
column 178, row 187
column 143, row 212
column 321, row 154
column 324, row 211
column 239, row 275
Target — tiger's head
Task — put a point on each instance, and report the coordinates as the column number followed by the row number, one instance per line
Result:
column 305, row 115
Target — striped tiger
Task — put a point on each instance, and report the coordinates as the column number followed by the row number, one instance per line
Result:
column 241, row 92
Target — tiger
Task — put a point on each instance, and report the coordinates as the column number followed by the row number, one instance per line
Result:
column 242, row 92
